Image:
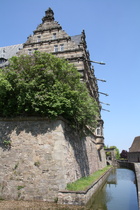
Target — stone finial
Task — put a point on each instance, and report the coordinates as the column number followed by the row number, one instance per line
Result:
column 83, row 35
column 83, row 38
column 49, row 15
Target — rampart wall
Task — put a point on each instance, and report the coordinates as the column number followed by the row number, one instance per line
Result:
column 39, row 157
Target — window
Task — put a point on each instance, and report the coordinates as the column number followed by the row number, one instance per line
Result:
column 2, row 60
column 29, row 52
column 3, row 53
column 55, row 48
column 98, row 131
column 38, row 38
column 35, row 49
column 61, row 47
column 54, row 36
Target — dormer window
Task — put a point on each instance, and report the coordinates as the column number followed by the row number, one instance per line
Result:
column 2, row 60
column 3, row 53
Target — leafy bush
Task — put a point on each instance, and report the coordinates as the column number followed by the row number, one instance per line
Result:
column 44, row 85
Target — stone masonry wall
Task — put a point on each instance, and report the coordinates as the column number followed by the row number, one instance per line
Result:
column 43, row 156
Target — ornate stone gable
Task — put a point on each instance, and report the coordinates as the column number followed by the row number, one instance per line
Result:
column 51, row 38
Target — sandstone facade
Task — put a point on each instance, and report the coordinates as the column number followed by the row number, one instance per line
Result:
column 51, row 38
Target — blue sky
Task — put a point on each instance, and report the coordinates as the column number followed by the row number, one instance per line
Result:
column 112, row 30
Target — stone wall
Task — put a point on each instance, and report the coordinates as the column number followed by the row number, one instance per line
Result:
column 83, row 197
column 42, row 157
column 133, row 156
column 137, row 172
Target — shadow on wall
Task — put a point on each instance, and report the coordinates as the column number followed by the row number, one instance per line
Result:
column 36, row 127
column 7, row 128
column 79, row 147
column 99, row 155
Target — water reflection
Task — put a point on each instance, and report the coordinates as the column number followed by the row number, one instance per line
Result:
column 119, row 192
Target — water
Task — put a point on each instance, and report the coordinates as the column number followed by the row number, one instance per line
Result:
column 118, row 193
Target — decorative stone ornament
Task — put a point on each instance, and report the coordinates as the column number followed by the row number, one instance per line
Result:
column 49, row 15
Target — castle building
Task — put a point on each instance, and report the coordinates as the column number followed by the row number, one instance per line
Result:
column 43, row 156
column 49, row 37
column 134, row 150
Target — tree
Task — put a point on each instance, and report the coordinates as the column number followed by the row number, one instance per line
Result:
column 45, row 85
column 117, row 151
column 117, row 156
column 123, row 154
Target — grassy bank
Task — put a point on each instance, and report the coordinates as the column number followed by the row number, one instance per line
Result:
column 83, row 183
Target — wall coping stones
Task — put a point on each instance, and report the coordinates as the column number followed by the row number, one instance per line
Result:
column 36, row 118
column 28, row 119
column 82, row 197
column 24, row 118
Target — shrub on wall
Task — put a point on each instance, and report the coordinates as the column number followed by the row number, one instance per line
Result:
column 44, row 85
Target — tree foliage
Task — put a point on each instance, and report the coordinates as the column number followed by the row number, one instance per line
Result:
column 44, row 85
column 123, row 154
column 117, row 156
column 117, row 151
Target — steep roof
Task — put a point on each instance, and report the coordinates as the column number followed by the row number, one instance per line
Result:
column 135, row 147
column 77, row 39
column 7, row 52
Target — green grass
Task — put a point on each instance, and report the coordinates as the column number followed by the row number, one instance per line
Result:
column 85, row 182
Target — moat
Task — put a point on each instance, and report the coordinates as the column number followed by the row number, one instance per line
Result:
column 119, row 192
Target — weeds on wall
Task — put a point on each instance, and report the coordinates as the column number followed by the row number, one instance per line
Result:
column 37, row 163
column 20, row 187
column 6, row 144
